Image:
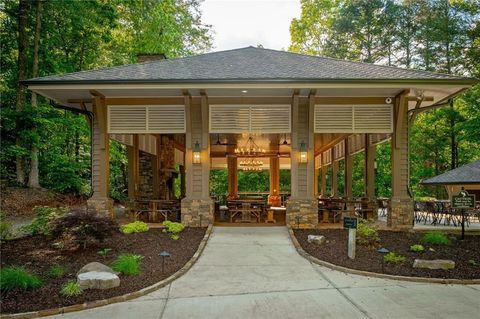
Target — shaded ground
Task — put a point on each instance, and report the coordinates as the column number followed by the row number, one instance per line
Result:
column 367, row 258
column 36, row 254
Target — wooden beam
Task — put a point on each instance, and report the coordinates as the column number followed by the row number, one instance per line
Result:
column 96, row 93
column 80, row 101
column 350, row 100
column 145, row 101
column 401, row 108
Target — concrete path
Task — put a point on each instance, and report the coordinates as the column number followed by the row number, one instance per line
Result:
column 256, row 273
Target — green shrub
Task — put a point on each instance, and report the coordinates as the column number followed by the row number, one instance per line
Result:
column 104, row 252
column 417, row 248
column 18, row 278
column 71, row 288
column 56, row 271
column 135, row 227
column 174, row 229
column 5, row 227
column 40, row 224
column 127, row 264
column 391, row 258
column 367, row 233
column 435, row 238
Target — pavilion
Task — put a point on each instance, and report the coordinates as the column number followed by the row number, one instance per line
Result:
column 199, row 110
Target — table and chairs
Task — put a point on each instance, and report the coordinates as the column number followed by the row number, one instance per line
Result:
column 156, row 210
column 438, row 212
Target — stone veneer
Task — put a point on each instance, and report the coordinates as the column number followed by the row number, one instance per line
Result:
column 145, row 185
column 103, row 206
column 195, row 211
column 306, row 209
column 401, row 213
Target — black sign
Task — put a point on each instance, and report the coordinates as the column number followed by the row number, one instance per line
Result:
column 350, row 222
column 463, row 200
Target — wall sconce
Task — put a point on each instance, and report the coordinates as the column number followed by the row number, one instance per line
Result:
column 303, row 152
column 196, row 153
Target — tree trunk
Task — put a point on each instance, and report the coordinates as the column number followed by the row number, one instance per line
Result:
column 33, row 180
column 21, row 75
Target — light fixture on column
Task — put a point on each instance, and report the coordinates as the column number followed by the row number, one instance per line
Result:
column 303, row 152
column 196, row 153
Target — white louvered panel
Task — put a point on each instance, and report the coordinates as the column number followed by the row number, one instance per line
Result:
column 318, row 161
column 166, row 119
column 326, row 157
column 229, row 118
column 126, row 139
column 373, row 118
column 333, row 119
column 127, row 119
column 147, row 143
column 270, row 118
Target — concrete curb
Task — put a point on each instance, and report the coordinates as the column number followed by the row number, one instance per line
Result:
column 122, row 298
column 317, row 261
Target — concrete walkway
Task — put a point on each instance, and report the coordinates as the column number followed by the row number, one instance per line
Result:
column 256, row 273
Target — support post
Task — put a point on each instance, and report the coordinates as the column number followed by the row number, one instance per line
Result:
column 370, row 154
column 323, row 187
column 133, row 168
column 348, row 170
column 232, row 177
column 334, row 174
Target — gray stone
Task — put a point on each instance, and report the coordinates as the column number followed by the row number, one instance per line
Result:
column 316, row 239
column 96, row 266
column 98, row 280
column 434, row 264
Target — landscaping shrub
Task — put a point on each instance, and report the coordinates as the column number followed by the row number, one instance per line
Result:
column 127, row 264
column 71, row 288
column 40, row 224
column 367, row 233
column 392, row 258
column 56, row 271
column 174, row 229
column 5, row 227
column 104, row 252
column 18, row 278
column 417, row 248
column 78, row 228
column 435, row 238
column 135, row 227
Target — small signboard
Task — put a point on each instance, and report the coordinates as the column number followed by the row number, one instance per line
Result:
column 350, row 222
column 463, row 200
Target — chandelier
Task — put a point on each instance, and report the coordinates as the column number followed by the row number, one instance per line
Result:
column 251, row 165
column 250, row 149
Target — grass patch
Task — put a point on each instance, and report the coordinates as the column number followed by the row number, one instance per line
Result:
column 435, row 238
column 71, row 288
column 392, row 258
column 18, row 278
column 127, row 264
column 56, row 271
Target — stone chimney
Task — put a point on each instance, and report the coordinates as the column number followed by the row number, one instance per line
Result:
column 146, row 57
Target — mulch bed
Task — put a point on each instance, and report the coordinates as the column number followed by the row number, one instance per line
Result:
column 36, row 254
column 368, row 259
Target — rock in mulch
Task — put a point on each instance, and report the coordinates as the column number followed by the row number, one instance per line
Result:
column 316, row 239
column 98, row 280
column 434, row 264
column 96, row 266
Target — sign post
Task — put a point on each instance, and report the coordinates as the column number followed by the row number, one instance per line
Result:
column 351, row 224
column 463, row 201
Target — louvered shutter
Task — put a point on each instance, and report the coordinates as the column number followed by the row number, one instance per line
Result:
column 373, row 119
column 127, row 119
column 229, row 118
column 166, row 119
column 333, row 119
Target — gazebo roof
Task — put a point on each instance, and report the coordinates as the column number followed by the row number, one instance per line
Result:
column 467, row 174
column 250, row 64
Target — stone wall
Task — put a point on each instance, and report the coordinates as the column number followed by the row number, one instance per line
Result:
column 197, row 212
column 167, row 167
column 306, row 210
column 145, row 183
column 401, row 213
column 103, row 206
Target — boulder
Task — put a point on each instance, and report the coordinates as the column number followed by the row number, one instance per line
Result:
column 98, row 280
column 316, row 239
column 434, row 264
column 96, row 266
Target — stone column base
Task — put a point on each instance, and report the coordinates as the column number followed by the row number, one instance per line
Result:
column 302, row 213
column 103, row 206
column 373, row 204
column 401, row 213
column 197, row 212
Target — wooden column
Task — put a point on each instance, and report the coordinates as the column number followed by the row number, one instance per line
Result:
column 323, row 187
column 133, row 168
column 370, row 154
column 232, row 177
column 156, row 165
column 182, row 181
column 348, row 170
column 334, row 174
column 274, row 176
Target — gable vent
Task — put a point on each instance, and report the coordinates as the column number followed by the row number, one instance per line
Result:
column 250, row 118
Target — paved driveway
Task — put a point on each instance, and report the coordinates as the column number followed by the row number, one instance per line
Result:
column 256, row 273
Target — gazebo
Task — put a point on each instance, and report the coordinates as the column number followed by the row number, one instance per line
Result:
column 198, row 110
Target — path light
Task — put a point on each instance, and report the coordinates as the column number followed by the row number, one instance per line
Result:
column 303, row 152
column 383, row 251
column 164, row 254
column 196, row 153
column 298, row 218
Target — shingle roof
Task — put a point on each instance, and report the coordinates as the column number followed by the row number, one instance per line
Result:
column 247, row 64
column 467, row 174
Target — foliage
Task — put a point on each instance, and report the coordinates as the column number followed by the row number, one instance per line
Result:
column 392, row 258
column 104, row 252
column 5, row 227
column 417, row 248
column 40, row 224
column 435, row 238
column 127, row 264
column 14, row 277
column 81, row 227
column 71, row 288
column 135, row 227
column 367, row 233
column 174, row 229
column 56, row 271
